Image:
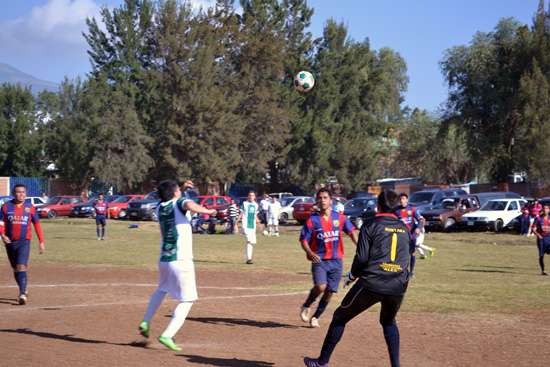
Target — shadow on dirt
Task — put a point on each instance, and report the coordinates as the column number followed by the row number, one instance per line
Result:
column 66, row 337
column 241, row 322
column 208, row 361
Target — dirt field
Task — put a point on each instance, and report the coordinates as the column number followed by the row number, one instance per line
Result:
column 89, row 317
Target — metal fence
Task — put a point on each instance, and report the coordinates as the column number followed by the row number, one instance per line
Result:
column 34, row 185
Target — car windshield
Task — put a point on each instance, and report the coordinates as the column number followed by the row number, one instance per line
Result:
column 421, row 197
column 495, row 205
column 152, row 196
column 309, row 201
column 360, row 203
column 123, row 199
column 286, row 201
column 54, row 200
column 91, row 201
column 447, row 204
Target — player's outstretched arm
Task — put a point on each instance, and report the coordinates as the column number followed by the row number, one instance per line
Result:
column 196, row 208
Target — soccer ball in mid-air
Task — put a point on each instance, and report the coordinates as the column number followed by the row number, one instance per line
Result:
column 303, row 81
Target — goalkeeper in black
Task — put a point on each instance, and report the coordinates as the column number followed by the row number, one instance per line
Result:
column 381, row 267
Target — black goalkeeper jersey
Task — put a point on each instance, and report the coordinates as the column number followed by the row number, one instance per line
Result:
column 382, row 256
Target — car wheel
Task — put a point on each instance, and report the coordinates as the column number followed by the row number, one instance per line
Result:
column 300, row 221
column 284, row 218
column 122, row 214
column 499, row 225
column 450, row 224
column 52, row 214
column 359, row 222
column 154, row 216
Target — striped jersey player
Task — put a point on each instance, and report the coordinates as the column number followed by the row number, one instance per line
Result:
column 414, row 221
column 250, row 221
column 101, row 207
column 15, row 219
column 176, row 267
column 321, row 239
column 541, row 229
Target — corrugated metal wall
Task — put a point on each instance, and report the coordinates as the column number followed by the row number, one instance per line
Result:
column 35, row 186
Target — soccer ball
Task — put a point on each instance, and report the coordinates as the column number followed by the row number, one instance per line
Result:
column 303, row 81
column 265, row 233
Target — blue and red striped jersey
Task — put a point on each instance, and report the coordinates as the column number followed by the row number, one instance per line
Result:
column 324, row 234
column 543, row 225
column 15, row 220
column 408, row 215
column 101, row 207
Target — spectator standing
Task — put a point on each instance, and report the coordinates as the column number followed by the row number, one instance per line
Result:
column 232, row 213
column 264, row 206
column 44, row 196
column 273, row 216
column 534, row 212
column 525, row 214
column 339, row 207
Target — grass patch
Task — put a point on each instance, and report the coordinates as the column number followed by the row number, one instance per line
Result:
column 475, row 273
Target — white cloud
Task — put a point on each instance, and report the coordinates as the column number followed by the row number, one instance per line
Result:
column 55, row 27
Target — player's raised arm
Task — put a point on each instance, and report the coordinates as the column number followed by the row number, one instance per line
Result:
column 196, row 208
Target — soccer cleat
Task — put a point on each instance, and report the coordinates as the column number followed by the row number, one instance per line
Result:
column 314, row 322
column 103, row 238
column 432, row 252
column 144, row 329
column 313, row 362
column 411, row 276
column 422, row 257
column 99, row 238
column 277, row 234
column 304, row 314
column 249, row 262
column 169, row 342
column 544, row 273
column 22, row 299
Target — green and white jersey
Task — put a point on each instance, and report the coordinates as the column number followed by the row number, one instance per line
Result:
column 175, row 227
column 249, row 211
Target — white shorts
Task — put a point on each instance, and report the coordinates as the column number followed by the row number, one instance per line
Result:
column 273, row 221
column 419, row 239
column 250, row 235
column 178, row 279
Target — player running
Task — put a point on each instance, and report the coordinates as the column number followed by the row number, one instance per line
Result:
column 541, row 229
column 176, row 267
column 249, row 215
column 408, row 215
column 15, row 218
column 321, row 239
column 380, row 263
column 101, row 208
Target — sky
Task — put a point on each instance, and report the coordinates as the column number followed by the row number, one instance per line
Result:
column 43, row 38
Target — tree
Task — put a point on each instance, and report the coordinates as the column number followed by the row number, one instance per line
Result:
column 20, row 154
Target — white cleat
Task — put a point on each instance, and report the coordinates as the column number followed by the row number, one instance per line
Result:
column 314, row 322
column 304, row 314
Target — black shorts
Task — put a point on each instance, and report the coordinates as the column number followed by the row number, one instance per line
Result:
column 18, row 252
column 101, row 219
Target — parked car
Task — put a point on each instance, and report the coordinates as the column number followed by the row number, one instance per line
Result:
column 360, row 209
column 242, row 199
column 147, row 207
column 449, row 212
column 87, row 209
column 302, row 211
column 59, row 205
column 287, row 206
column 35, row 200
column 496, row 214
column 486, row 196
column 117, row 208
column 361, row 194
column 280, row 195
column 220, row 203
column 427, row 199
column 3, row 199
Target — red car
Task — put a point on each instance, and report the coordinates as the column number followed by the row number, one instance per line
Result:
column 220, row 203
column 59, row 205
column 118, row 207
column 302, row 211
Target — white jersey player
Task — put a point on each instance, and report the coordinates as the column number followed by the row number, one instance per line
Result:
column 249, row 215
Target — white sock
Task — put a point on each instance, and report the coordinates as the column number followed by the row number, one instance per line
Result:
column 154, row 303
column 424, row 247
column 180, row 313
column 249, row 249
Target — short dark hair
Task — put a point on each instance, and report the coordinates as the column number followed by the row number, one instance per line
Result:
column 402, row 194
column 251, row 192
column 100, row 194
column 167, row 189
column 324, row 189
column 387, row 200
column 546, row 204
column 19, row 185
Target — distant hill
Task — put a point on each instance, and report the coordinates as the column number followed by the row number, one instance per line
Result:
column 9, row 74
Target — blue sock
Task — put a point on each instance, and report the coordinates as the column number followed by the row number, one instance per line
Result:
column 413, row 260
column 98, row 232
column 103, row 232
column 541, row 263
column 321, row 308
column 21, row 279
column 310, row 299
column 391, row 334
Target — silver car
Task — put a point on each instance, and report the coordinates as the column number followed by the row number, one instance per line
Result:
column 286, row 206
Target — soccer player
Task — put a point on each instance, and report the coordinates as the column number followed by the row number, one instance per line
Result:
column 176, row 267
column 380, row 263
column 408, row 215
column 249, row 215
column 541, row 229
column 15, row 218
column 264, row 206
column 273, row 216
column 321, row 239
column 101, row 208
column 420, row 246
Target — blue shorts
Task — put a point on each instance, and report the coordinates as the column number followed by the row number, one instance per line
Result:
column 101, row 219
column 328, row 272
column 544, row 245
column 412, row 245
column 18, row 252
